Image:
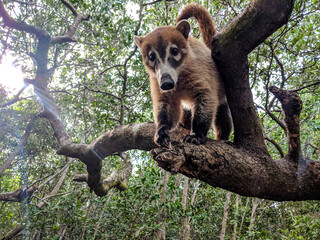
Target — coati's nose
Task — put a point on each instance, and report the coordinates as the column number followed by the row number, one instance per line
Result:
column 166, row 82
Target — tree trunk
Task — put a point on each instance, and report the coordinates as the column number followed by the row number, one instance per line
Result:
column 161, row 232
column 243, row 215
column 235, row 226
column 185, row 220
column 225, row 216
column 255, row 204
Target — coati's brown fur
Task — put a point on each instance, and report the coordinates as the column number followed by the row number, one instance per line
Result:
column 184, row 76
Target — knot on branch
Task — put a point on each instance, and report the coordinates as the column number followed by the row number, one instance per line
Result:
column 117, row 179
column 170, row 160
column 292, row 106
column 189, row 159
column 290, row 101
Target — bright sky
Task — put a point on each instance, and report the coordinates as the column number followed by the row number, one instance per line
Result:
column 11, row 77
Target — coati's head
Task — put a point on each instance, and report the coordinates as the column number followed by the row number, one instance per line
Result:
column 163, row 52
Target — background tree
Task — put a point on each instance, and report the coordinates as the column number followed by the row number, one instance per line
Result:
column 88, row 80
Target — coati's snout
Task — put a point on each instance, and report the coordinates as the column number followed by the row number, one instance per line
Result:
column 166, row 82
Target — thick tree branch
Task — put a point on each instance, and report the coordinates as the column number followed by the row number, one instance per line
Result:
column 230, row 49
column 239, row 171
column 19, row 195
column 21, row 26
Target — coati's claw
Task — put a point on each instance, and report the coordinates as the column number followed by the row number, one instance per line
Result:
column 162, row 139
column 195, row 139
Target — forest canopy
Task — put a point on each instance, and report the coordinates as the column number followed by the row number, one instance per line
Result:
column 76, row 135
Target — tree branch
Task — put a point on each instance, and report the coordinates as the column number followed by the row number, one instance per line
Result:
column 230, row 49
column 70, row 6
column 307, row 86
column 21, row 26
column 19, row 195
column 15, row 99
column 117, row 179
column 79, row 17
column 237, row 170
column 276, row 145
column 292, row 106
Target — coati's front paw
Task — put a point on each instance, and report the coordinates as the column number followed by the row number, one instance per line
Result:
column 195, row 139
column 161, row 138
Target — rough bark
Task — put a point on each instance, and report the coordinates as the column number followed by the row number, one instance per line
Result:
column 230, row 49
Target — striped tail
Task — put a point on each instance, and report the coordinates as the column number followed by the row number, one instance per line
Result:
column 203, row 18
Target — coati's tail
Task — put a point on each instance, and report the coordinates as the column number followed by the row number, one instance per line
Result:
column 204, row 19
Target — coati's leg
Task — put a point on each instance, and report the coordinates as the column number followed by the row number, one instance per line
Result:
column 223, row 122
column 167, row 116
column 202, row 120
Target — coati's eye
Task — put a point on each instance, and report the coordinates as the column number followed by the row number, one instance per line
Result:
column 174, row 51
column 152, row 56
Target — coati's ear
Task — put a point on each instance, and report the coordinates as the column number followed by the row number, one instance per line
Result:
column 138, row 40
column 184, row 27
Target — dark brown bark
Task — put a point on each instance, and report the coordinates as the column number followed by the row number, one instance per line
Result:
column 230, row 49
column 292, row 106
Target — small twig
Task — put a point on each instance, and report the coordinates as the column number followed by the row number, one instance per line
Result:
column 276, row 145
column 25, row 3
column 154, row 2
column 108, row 68
column 307, row 86
column 99, row 91
column 15, row 99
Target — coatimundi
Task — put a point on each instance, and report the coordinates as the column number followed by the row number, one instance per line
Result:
column 184, row 76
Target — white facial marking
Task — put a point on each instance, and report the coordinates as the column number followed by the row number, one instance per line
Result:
column 165, row 67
